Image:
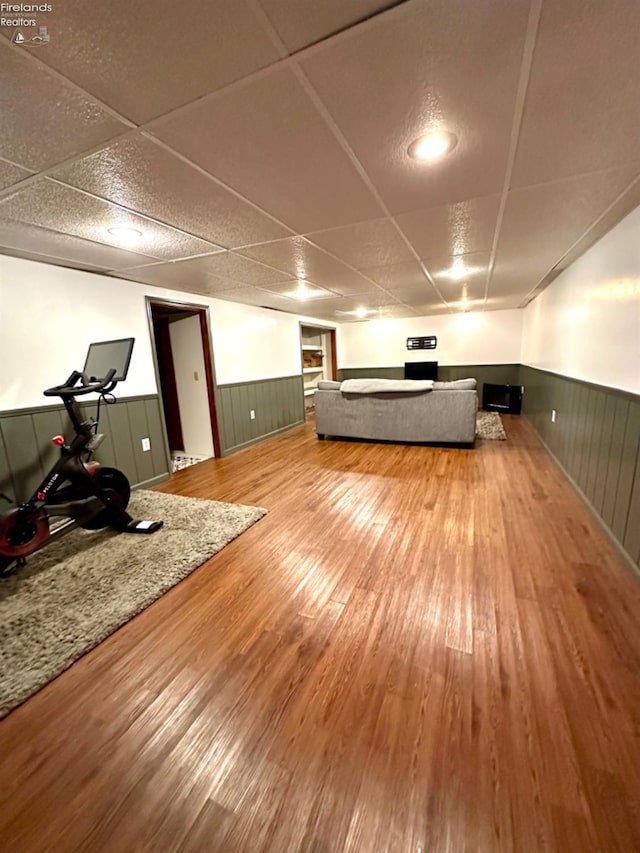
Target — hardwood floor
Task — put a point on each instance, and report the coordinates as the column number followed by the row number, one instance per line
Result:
column 417, row 649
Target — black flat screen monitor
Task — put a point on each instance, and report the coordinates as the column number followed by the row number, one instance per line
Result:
column 421, row 370
column 104, row 355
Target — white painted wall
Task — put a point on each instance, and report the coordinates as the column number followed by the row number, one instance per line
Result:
column 191, row 382
column 49, row 315
column 586, row 324
column 488, row 337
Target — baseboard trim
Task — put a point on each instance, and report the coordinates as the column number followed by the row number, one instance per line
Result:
column 154, row 481
column 229, row 450
column 626, row 557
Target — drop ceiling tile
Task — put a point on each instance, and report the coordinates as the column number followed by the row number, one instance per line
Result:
column 372, row 299
column 285, row 288
column 48, row 259
column 300, row 259
column 452, row 229
column 397, row 275
column 541, row 223
column 256, row 296
column 60, row 208
column 235, row 268
column 44, row 119
column 582, row 111
column 428, row 66
column 267, row 141
column 472, row 268
column 426, row 309
column 394, row 312
column 454, row 294
column 366, row 244
column 33, row 241
column 143, row 60
column 137, row 173
column 416, row 295
column 10, row 174
column 181, row 275
column 303, row 22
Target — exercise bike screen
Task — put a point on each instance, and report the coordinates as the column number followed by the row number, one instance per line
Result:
column 104, row 355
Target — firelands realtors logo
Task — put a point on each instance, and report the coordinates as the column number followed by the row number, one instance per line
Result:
column 28, row 30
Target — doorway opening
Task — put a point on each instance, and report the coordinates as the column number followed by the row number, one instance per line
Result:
column 319, row 359
column 184, row 370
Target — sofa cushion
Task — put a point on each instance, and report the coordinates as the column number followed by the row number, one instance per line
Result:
column 328, row 385
column 456, row 385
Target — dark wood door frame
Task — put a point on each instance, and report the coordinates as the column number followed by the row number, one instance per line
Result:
column 332, row 343
column 205, row 332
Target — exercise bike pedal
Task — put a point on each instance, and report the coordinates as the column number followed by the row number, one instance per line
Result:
column 143, row 526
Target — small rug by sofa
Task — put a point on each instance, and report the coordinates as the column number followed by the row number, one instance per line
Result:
column 78, row 590
column 489, row 425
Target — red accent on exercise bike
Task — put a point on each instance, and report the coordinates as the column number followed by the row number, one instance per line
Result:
column 58, row 439
column 23, row 533
column 41, row 496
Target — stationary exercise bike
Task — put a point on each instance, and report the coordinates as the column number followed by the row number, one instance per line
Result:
column 76, row 492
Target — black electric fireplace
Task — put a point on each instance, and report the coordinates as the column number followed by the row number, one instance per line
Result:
column 502, row 398
column 421, row 370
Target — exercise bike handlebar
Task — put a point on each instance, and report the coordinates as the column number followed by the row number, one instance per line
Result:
column 71, row 389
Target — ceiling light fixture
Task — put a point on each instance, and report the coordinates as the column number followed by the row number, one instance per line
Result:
column 303, row 291
column 125, row 234
column 432, row 146
column 458, row 270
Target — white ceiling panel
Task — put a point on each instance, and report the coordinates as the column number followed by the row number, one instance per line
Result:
column 179, row 274
column 263, row 298
column 302, row 260
column 286, row 288
column 459, row 269
column 234, row 268
column 44, row 119
column 268, row 142
column 59, row 208
column 144, row 60
column 582, row 111
column 19, row 236
column 303, row 22
column 452, row 229
column 397, row 275
column 139, row 174
column 550, row 217
column 414, row 294
column 366, row 244
column 11, row 174
column 427, row 66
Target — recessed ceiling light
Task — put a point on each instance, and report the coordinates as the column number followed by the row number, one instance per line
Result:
column 433, row 145
column 458, row 270
column 125, row 234
column 303, row 291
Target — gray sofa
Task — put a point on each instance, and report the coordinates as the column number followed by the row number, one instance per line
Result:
column 445, row 414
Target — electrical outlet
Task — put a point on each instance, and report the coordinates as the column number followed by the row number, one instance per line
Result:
column 553, row 416
column 252, row 414
column 146, row 444
column 195, row 375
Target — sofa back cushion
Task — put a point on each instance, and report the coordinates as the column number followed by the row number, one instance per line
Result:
column 456, row 385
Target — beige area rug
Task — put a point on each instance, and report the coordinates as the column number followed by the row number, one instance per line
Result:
column 77, row 591
column 489, row 425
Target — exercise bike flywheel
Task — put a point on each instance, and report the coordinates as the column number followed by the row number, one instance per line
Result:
column 22, row 533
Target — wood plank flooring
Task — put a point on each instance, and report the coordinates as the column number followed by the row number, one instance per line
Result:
column 417, row 649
